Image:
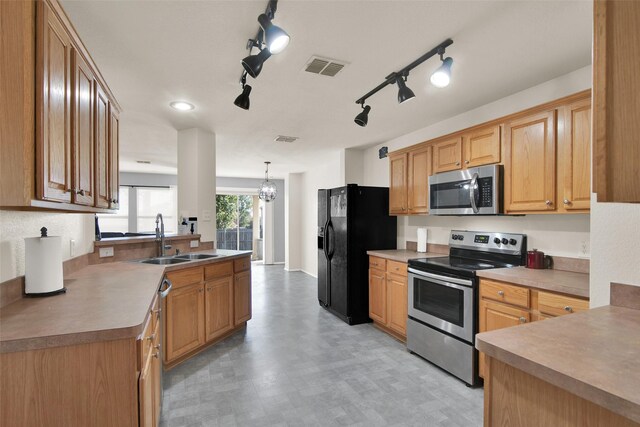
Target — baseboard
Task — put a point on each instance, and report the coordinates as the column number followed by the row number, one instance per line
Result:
column 310, row 274
column 292, row 269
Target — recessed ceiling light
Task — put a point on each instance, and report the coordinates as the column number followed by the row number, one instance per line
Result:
column 182, row 106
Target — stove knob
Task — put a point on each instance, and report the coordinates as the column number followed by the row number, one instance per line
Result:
column 460, row 237
column 496, row 241
column 505, row 241
column 512, row 241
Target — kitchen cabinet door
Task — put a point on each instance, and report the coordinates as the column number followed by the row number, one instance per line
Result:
column 53, row 107
column 83, row 132
column 377, row 296
column 184, row 320
column 101, row 148
column 218, row 306
column 616, row 84
column 418, row 180
column 146, row 394
column 574, row 162
column 242, row 297
column 447, row 155
column 398, row 184
column 482, row 147
column 397, row 300
column 156, row 375
column 530, row 163
column 498, row 316
column 114, row 157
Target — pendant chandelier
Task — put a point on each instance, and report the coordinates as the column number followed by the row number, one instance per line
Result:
column 268, row 189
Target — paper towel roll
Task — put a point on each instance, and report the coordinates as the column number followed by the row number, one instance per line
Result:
column 43, row 265
column 422, row 240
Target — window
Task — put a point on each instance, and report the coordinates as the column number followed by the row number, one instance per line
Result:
column 138, row 209
column 234, row 221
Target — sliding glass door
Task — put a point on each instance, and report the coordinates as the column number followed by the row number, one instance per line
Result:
column 236, row 221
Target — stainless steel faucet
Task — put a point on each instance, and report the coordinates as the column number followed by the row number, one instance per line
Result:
column 160, row 235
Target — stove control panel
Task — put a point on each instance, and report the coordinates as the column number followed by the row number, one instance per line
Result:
column 508, row 243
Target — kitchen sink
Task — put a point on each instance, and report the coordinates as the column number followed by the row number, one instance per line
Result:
column 163, row 261
column 191, row 257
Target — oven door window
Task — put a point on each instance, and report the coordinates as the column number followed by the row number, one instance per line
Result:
column 440, row 301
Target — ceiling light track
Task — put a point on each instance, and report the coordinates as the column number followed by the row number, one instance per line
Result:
column 270, row 40
column 440, row 78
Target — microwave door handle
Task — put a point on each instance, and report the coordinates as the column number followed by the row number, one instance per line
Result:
column 472, row 192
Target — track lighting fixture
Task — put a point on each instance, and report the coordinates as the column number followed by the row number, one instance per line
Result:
column 404, row 93
column 442, row 75
column 275, row 37
column 439, row 78
column 242, row 100
column 253, row 63
column 362, row 118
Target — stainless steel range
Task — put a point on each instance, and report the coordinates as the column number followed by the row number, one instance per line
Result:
column 443, row 298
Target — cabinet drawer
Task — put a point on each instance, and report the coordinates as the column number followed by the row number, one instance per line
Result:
column 558, row 305
column 396, row 267
column 242, row 264
column 219, row 269
column 377, row 263
column 188, row 276
column 503, row 292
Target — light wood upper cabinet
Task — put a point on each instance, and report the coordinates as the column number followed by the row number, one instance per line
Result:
column 397, row 302
column 101, row 148
column 53, row 135
column 574, row 156
column 398, row 184
column 482, row 147
column 218, row 306
column 616, row 84
column 418, row 180
column 242, row 297
column 114, row 156
column 377, row 295
column 447, row 155
column 530, row 164
column 84, row 127
column 184, row 320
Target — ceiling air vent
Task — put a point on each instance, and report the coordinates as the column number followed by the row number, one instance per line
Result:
column 144, row 162
column 283, row 138
column 324, row 66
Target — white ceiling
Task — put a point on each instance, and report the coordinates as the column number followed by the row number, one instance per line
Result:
column 155, row 52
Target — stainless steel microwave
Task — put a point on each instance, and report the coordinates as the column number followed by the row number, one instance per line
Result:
column 473, row 191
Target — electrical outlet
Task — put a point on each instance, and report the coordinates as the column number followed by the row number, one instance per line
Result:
column 72, row 248
column 106, row 252
column 194, row 244
column 584, row 248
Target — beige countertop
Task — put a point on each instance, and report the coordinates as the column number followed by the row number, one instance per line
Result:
column 594, row 355
column 566, row 282
column 403, row 255
column 103, row 302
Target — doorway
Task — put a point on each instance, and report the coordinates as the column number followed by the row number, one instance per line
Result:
column 239, row 224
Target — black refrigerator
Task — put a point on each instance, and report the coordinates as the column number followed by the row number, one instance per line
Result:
column 351, row 221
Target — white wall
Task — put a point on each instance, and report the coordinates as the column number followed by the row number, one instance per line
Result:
column 16, row 225
column 562, row 235
column 615, row 243
column 293, row 222
column 352, row 166
column 327, row 175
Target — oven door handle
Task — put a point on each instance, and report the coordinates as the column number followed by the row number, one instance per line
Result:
column 442, row 280
column 472, row 192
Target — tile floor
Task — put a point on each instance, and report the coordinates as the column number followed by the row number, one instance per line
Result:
column 298, row 365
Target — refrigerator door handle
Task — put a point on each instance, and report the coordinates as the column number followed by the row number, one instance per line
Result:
column 325, row 243
column 330, row 240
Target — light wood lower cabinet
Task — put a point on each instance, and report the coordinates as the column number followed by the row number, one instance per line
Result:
column 503, row 305
column 388, row 295
column 206, row 304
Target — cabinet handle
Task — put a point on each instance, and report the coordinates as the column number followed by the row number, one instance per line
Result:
column 115, row 201
column 568, row 309
column 80, row 192
column 466, row 162
column 200, row 290
column 523, row 320
column 457, row 163
column 566, row 201
column 501, row 293
column 151, row 337
column 157, row 355
column 157, row 347
column 548, row 202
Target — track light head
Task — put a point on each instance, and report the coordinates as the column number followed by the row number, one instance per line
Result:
column 442, row 76
column 275, row 37
column 242, row 100
column 253, row 63
column 363, row 118
column 404, row 93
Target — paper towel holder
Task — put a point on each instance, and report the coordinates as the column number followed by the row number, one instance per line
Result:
column 61, row 290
